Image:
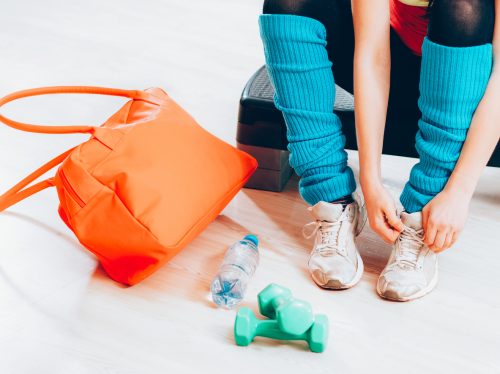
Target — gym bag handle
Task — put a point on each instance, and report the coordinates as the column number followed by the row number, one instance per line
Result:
column 131, row 94
column 20, row 191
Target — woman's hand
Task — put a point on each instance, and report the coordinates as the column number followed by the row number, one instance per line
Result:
column 381, row 209
column 443, row 219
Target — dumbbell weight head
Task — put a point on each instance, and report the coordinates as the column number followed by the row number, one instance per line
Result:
column 293, row 316
column 269, row 296
column 247, row 327
column 318, row 334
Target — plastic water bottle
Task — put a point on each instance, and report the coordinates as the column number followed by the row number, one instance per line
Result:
column 241, row 259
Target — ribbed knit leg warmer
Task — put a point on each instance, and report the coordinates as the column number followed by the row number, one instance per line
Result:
column 452, row 83
column 300, row 71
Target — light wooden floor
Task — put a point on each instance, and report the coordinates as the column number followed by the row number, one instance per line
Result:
column 58, row 314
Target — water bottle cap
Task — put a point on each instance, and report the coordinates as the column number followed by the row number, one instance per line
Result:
column 252, row 238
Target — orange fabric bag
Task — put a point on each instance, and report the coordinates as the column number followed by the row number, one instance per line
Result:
column 144, row 185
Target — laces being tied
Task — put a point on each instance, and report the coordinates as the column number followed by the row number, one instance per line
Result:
column 330, row 236
column 410, row 245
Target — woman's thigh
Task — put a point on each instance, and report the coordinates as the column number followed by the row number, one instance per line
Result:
column 336, row 16
column 461, row 23
column 456, row 23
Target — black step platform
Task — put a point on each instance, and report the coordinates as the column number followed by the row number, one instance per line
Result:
column 262, row 132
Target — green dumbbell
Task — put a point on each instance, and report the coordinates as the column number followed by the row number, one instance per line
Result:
column 293, row 316
column 247, row 327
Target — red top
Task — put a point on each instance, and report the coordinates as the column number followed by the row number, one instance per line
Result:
column 410, row 23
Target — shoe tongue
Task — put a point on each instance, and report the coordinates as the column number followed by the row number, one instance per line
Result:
column 413, row 220
column 323, row 211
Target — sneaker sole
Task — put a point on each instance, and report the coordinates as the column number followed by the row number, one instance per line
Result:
column 336, row 285
column 419, row 294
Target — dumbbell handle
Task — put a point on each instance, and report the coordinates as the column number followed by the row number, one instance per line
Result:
column 277, row 301
column 270, row 329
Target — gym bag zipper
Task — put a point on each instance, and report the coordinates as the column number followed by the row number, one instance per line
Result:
column 69, row 188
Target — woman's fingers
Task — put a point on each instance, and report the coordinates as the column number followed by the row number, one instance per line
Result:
column 378, row 226
column 393, row 220
column 449, row 240
column 439, row 241
column 394, row 234
column 384, row 229
column 425, row 220
column 383, row 217
column 430, row 234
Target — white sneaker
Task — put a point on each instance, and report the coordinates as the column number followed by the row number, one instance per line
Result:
column 334, row 262
column 411, row 271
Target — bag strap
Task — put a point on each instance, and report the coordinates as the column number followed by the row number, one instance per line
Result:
column 20, row 191
column 131, row 94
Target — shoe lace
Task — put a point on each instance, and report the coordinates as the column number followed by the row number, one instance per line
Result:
column 410, row 246
column 329, row 236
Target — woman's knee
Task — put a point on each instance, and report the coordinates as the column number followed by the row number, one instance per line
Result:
column 306, row 8
column 461, row 23
column 294, row 7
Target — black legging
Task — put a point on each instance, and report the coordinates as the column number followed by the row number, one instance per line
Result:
column 457, row 23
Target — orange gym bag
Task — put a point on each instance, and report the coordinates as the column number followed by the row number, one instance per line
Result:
column 144, row 185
